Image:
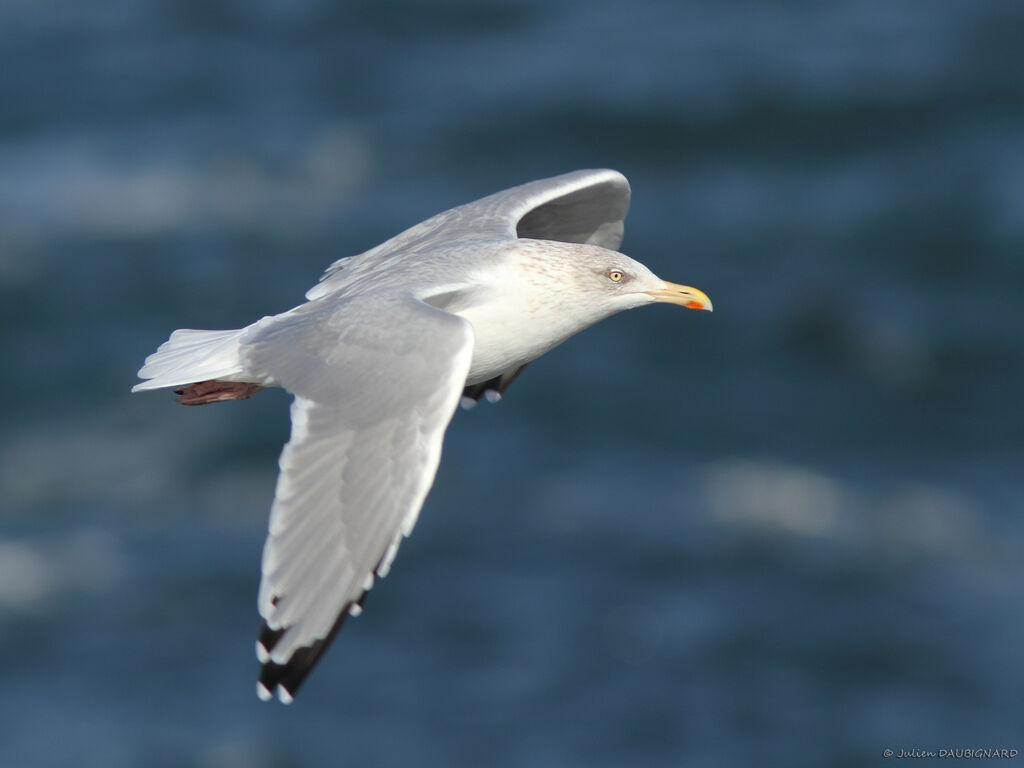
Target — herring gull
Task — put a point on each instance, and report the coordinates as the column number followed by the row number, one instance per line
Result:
column 377, row 359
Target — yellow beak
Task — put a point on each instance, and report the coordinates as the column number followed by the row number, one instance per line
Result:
column 683, row 295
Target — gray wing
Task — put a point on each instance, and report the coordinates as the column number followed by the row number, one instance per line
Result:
column 376, row 381
column 579, row 207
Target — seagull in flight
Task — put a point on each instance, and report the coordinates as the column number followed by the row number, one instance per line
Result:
column 377, row 359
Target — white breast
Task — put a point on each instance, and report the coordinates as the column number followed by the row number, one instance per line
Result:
column 526, row 303
column 508, row 335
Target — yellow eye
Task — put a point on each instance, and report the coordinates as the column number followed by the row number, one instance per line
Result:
column 616, row 275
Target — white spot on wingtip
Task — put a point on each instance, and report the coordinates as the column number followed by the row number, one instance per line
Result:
column 262, row 654
column 467, row 403
column 355, row 609
column 389, row 557
column 492, row 395
column 263, row 692
column 284, row 696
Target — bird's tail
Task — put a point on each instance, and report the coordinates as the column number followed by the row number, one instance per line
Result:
column 190, row 356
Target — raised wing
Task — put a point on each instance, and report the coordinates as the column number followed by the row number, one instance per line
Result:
column 579, row 207
column 376, row 380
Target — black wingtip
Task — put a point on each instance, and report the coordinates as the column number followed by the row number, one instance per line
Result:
column 285, row 679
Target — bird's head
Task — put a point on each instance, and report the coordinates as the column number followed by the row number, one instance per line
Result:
column 599, row 282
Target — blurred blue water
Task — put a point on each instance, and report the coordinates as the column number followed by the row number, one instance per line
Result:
column 788, row 532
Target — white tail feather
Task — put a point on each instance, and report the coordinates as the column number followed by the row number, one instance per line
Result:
column 189, row 356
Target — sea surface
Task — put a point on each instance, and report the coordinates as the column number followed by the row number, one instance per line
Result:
column 786, row 533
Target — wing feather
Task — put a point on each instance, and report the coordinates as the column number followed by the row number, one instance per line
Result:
column 376, row 380
column 586, row 206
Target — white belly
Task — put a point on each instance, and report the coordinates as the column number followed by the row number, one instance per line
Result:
column 507, row 340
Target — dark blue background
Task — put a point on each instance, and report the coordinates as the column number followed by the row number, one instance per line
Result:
column 786, row 533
